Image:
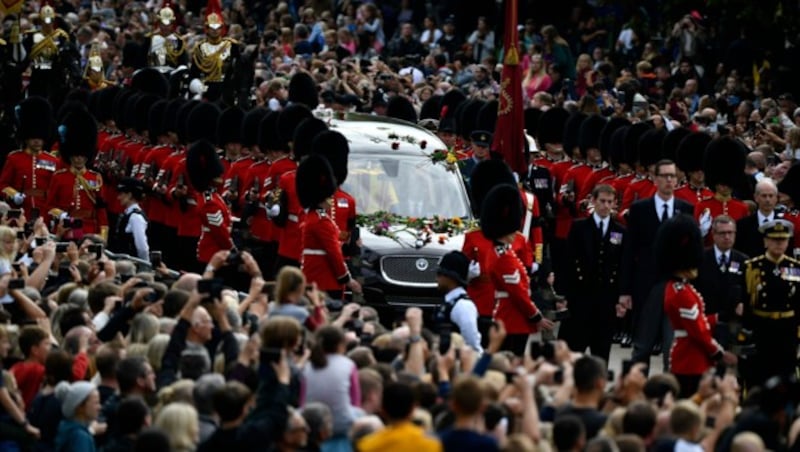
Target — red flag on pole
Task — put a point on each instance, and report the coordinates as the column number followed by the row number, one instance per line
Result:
column 509, row 132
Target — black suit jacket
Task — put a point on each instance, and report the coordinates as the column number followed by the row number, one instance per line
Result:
column 721, row 288
column 748, row 240
column 639, row 272
column 596, row 260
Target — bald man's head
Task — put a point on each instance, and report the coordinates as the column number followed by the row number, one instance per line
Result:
column 747, row 442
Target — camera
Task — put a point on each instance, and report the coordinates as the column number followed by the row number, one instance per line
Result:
column 14, row 213
column 20, row 235
column 234, row 257
column 271, row 355
column 61, row 247
column 155, row 259
column 72, row 223
column 17, row 283
column 211, row 287
column 97, row 249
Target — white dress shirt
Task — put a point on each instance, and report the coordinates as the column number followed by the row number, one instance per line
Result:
column 764, row 218
column 601, row 222
column 660, row 206
column 719, row 253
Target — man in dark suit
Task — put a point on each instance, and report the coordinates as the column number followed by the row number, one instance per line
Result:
column 594, row 251
column 748, row 239
column 720, row 279
column 481, row 140
column 639, row 282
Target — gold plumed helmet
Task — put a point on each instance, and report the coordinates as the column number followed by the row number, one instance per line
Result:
column 166, row 15
column 46, row 13
column 214, row 17
column 95, row 62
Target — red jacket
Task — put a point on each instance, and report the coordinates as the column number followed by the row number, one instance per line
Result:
column 110, row 152
column 77, row 195
column 215, row 233
column 256, row 177
column 481, row 289
column 154, row 162
column 237, row 171
column 620, row 184
column 514, row 305
column 733, row 207
column 343, row 213
column 323, row 262
column 168, row 175
column 278, row 168
column 189, row 221
column 693, row 195
column 694, row 350
column 597, row 176
column 291, row 241
column 638, row 188
column 564, row 173
column 29, row 174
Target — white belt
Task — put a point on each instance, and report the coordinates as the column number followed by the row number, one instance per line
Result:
column 501, row 294
column 312, row 252
column 680, row 333
column 293, row 218
column 204, row 229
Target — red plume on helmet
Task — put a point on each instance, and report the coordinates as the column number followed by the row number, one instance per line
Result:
column 214, row 17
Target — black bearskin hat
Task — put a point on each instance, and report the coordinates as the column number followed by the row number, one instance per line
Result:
column 79, row 95
column 34, row 118
column 333, row 146
column 605, row 135
column 589, row 134
column 487, row 116
column 156, row 125
column 630, row 143
column 550, row 129
column 650, row 147
column 501, row 213
column 571, row 130
column 617, row 155
column 532, row 116
column 171, row 115
column 268, row 139
column 450, row 102
column 203, row 165
column 183, row 119
column 401, row 108
column 303, row 90
column 142, row 111
column 724, row 161
column 689, row 155
column 202, row 123
column 669, row 147
column 304, row 135
column 251, row 126
column 288, row 120
column 679, row 245
column 131, row 121
column 315, row 181
column 77, row 135
column 105, row 103
column 150, row 80
column 229, row 126
column 119, row 108
column 487, row 175
column 431, row 108
column 467, row 118
column 790, row 185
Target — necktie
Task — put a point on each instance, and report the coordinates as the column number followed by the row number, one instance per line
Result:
column 765, row 220
column 602, row 228
column 665, row 213
column 723, row 260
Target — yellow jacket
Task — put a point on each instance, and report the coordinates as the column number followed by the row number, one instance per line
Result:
column 404, row 437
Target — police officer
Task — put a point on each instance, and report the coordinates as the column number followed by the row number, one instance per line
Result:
column 458, row 311
column 772, row 282
column 130, row 234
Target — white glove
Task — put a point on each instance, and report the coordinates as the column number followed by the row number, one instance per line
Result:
column 705, row 222
column 63, row 215
column 474, row 270
column 18, row 198
column 273, row 210
column 534, row 268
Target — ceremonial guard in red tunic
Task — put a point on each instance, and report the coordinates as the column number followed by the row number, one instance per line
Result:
column 76, row 193
column 689, row 158
column 679, row 252
column 27, row 172
column 500, row 218
column 205, row 174
column 333, row 145
column 641, row 157
column 323, row 262
column 723, row 164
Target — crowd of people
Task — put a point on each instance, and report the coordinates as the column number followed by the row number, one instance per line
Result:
column 176, row 233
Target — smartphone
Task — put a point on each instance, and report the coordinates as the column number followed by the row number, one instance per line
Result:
column 535, row 350
column 151, row 296
column 510, row 377
column 18, row 283
column 97, row 249
column 33, row 214
column 17, row 267
column 40, row 241
column 558, row 377
column 14, row 213
column 20, row 235
column 211, row 287
column 61, row 247
column 155, row 259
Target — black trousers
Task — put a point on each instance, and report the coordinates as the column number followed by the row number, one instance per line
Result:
column 187, row 255
column 590, row 325
column 516, row 343
column 689, row 384
column 650, row 324
column 283, row 261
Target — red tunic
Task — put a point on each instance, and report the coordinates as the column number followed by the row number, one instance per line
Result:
column 291, row 241
column 481, row 288
column 215, row 232
column 29, row 174
column 168, row 176
column 734, row 208
column 794, row 217
column 639, row 188
column 514, row 305
column 278, row 168
column 693, row 195
column 77, row 193
column 620, row 184
column 343, row 213
column 109, row 153
column 151, row 171
column 236, row 172
column 323, row 262
column 189, row 220
column 256, row 178
column 694, row 350
column 574, row 176
column 598, row 175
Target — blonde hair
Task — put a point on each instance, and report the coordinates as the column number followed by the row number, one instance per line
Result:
column 137, row 350
column 6, row 233
column 585, row 60
column 179, row 421
column 144, row 327
column 155, row 350
column 793, row 137
column 289, row 279
column 280, row 332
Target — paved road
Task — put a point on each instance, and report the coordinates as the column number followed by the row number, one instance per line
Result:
column 619, row 354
